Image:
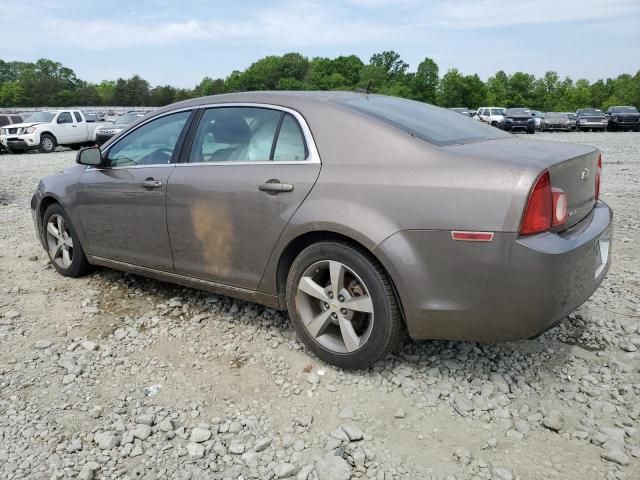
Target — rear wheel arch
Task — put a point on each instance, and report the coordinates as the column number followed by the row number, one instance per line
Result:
column 298, row 244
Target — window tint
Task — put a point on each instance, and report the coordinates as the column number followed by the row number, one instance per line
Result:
column 432, row 124
column 65, row 117
column 235, row 134
column 151, row 144
column 290, row 145
column 16, row 119
column 78, row 116
column 4, row 120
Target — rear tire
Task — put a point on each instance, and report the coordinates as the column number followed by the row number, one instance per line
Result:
column 324, row 281
column 47, row 143
column 63, row 245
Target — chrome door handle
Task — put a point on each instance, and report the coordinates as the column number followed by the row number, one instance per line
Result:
column 151, row 183
column 273, row 187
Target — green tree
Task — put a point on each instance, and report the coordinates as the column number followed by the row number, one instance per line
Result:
column 392, row 63
column 425, row 82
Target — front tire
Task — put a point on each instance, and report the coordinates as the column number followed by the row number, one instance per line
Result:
column 342, row 305
column 63, row 245
column 47, row 143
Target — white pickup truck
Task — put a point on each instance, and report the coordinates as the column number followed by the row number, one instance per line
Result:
column 47, row 129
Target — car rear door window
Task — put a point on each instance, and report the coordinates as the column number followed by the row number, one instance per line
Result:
column 78, row 116
column 151, row 144
column 290, row 145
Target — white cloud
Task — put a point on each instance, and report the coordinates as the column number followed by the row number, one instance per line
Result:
column 467, row 14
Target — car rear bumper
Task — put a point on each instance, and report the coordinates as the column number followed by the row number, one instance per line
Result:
column 508, row 289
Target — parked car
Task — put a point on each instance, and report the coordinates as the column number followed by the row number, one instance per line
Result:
column 106, row 132
column 572, row 118
column 623, row 118
column 90, row 117
column 462, row 110
column 592, row 119
column 518, row 119
column 8, row 120
column 47, row 129
column 391, row 214
column 538, row 116
column 556, row 121
column 491, row 115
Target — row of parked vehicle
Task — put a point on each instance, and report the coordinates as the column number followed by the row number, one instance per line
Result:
column 620, row 118
column 45, row 130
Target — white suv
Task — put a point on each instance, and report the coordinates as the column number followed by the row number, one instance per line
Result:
column 491, row 115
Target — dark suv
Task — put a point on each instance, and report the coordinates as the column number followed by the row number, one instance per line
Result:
column 623, row 118
column 8, row 119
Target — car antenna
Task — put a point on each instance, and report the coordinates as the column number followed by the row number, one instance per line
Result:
column 365, row 90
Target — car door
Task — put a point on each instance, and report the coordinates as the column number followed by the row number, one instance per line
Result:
column 121, row 205
column 66, row 130
column 247, row 171
column 485, row 115
column 80, row 130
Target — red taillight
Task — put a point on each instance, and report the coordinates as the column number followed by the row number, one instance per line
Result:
column 538, row 213
column 598, row 170
column 546, row 208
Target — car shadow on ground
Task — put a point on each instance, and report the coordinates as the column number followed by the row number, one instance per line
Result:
column 460, row 360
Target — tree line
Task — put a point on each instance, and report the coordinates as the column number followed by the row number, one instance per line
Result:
column 49, row 83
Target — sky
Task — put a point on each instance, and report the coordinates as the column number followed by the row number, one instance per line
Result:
column 178, row 42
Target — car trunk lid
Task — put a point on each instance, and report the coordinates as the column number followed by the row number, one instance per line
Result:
column 572, row 167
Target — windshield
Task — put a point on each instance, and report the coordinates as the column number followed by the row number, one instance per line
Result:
column 41, row 117
column 624, row 110
column 590, row 111
column 523, row 112
column 128, row 118
column 432, row 124
column 557, row 115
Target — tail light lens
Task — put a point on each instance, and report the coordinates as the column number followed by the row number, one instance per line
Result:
column 598, row 171
column 546, row 207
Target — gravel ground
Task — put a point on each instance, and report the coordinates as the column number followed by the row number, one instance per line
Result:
column 117, row 376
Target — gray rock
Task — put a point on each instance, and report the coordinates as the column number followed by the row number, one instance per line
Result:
column 199, row 435
column 353, row 432
column 627, row 345
column 120, row 334
column 68, row 378
column 235, row 427
column 195, row 450
column 313, row 378
column 304, row 472
column 400, row 413
column 89, row 346
column 285, row 470
column 11, row 314
column 261, row 444
column 236, row 447
column 615, row 455
column 462, row 404
column 105, row 440
column 333, row 468
column 142, row 431
column 42, row 344
column 553, row 420
column 503, row 473
column 165, row 426
column 145, row 419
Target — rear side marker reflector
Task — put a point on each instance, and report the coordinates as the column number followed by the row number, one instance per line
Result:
column 472, row 236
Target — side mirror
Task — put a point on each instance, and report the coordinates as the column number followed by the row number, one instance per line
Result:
column 90, row 156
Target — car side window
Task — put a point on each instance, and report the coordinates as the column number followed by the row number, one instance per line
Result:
column 78, row 117
column 235, row 134
column 16, row 119
column 4, row 120
column 150, row 144
column 290, row 145
column 65, row 117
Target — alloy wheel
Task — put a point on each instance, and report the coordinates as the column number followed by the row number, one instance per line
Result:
column 47, row 144
column 335, row 306
column 59, row 241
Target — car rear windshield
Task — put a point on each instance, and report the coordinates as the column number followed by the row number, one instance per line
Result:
column 435, row 125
